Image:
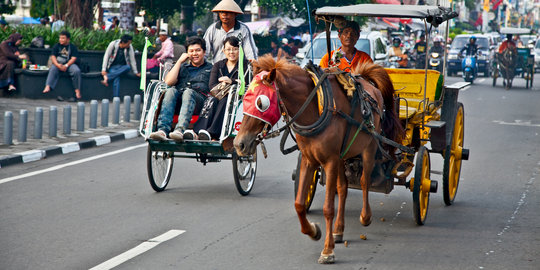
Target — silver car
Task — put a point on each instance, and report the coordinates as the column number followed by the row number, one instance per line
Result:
column 371, row 43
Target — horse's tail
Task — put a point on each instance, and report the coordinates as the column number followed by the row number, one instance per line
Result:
column 376, row 74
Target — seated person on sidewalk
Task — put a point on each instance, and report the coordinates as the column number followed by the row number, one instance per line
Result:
column 165, row 53
column 10, row 58
column 224, row 73
column 63, row 58
column 187, row 81
column 119, row 58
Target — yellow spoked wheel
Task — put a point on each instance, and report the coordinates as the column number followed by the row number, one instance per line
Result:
column 312, row 185
column 421, row 186
column 453, row 156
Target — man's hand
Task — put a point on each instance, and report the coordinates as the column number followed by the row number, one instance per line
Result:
column 63, row 68
column 103, row 73
column 183, row 58
column 138, row 74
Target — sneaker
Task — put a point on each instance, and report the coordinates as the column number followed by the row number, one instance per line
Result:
column 59, row 98
column 176, row 135
column 190, row 135
column 204, row 135
column 72, row 99
column 158, row 135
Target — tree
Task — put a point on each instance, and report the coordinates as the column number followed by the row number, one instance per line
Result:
column 41, row 9
column 80, row 13
column 7, row 7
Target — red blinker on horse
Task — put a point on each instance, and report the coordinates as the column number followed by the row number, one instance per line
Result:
column 324, row 148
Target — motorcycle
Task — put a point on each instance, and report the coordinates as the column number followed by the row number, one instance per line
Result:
column 469, row 68
column 393, row 61
column 435, row 61
column 420, row 62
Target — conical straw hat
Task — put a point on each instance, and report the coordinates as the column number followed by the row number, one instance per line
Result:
column 228, row 6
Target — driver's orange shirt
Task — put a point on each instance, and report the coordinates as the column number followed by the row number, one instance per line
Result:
column 507, row 44
column 359, row 57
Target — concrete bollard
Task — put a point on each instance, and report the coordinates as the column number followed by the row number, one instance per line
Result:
column 23, row 125
column 137, row 109
column 105, row 113
column 67, row 119
column 127, row 109
column 53, row 121
column 38, row 123
column 8, row 128
column 116, row 110
column 93, row 113
column 80, row 116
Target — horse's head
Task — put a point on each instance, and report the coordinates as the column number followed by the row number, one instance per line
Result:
column 260, row 109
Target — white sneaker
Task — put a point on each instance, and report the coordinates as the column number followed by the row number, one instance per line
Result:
column 190, row 135
column 158, row 135
column 176, row 135
column 204, row 135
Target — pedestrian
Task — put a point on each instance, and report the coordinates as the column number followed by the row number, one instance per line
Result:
column 228, row 25
column 56, row 23
column 10, row 57
column 119, row 59
column 188, row 84
column 63, row 58
column 166, row 53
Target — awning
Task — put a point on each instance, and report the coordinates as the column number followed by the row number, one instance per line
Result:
column 285, row 22
column 30, row 20
column 259, row 27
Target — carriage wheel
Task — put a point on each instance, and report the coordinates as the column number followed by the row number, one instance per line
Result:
column 452, row 158
column 421, row 185
column 159, row 166
column 244, row 170
column 312, row 186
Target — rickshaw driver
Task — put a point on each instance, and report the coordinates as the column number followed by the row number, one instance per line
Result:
column 347, row 56
column 187, row 81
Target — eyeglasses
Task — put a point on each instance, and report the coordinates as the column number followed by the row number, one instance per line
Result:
column 233, row 49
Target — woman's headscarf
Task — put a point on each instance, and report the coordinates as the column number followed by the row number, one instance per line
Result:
column 13, row 38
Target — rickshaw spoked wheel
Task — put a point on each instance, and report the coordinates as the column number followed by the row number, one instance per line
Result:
column 159, row 166
column 244, row 171
column 421, row 186
column 453, row 158
column 312, row 186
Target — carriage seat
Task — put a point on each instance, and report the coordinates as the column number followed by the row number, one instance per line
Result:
column 409, row 86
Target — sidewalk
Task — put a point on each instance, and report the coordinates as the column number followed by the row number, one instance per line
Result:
column 36, row 149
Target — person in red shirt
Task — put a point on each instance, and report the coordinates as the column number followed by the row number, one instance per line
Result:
column 346, row 57
column 508, row 43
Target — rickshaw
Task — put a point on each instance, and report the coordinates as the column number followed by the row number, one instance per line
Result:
column 507, row 65
column 429, row 111
column 161, row 154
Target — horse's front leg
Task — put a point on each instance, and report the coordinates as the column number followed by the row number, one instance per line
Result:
column 368, row 162
column 342, row 188
column 306, row 170
column 331, row 169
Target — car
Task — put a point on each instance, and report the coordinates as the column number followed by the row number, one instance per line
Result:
column 528, row 40
column 485, row 54
column 370, row 42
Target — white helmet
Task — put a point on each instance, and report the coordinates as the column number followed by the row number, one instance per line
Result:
column 438, row 39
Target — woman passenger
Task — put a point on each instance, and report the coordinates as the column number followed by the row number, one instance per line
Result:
column 10, row 58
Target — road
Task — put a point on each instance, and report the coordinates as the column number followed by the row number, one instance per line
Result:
column 81, row 210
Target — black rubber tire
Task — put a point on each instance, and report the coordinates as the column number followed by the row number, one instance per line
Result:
column 421, row 196
column 244, row 171
column 159, row 167
column 452, row 166
column 313, row 185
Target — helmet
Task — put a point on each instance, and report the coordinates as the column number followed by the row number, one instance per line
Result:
column 437, row 39
column 472, row 39
column 396, row 41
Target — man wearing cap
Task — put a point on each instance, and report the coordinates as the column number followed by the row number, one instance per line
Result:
column 119, row 58
column 227, row 26
column 346, row 57
column 165, row 53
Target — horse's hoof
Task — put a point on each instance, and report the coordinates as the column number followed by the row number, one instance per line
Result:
column 338, row 238
column 327, row 259
column 318, row 233
column 365, row 222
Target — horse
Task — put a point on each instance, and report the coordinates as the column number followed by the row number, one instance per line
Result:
column 293, row 84
column 507, row 62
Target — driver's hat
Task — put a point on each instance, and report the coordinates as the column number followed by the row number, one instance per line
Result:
column 228, row 6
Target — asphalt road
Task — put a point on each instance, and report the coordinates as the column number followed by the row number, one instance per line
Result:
column 80, row 210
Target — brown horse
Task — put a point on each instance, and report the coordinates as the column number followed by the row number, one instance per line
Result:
column 294, row 85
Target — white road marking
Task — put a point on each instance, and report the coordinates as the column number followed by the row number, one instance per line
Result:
column 58, row 167
column 481, row 80
column 138, row 250
column 526, row 123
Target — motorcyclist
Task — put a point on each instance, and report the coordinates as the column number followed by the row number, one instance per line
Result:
column 470, row 48
column 420, row 51
column 437, row 45
column 396, row 51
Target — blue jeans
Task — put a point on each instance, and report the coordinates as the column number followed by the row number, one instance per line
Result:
column 114, row 75
column 192, row 102
column 54, row 74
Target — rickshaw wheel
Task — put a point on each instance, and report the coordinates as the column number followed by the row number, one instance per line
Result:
column 244, row 171
column 453, row 158
column 312, row 186
column 159, row 166
column 421, row 184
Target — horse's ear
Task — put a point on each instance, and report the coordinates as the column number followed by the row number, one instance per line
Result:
column 271, row 76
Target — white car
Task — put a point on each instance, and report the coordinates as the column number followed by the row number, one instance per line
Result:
column 371, row 43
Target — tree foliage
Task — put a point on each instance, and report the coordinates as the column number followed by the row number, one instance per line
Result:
column 156, row 9
column 41, row 9
column 7, row 8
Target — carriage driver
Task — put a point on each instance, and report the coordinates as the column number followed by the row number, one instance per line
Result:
column 508, row 44
column 347, row 57
column 188, row 82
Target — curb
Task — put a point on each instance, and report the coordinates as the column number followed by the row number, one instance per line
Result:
column 65, row 148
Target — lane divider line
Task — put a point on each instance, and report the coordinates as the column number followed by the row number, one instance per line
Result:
column 138, row 250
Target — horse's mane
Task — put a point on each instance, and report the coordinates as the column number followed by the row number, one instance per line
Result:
column 282, row 66
column 376, row 74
